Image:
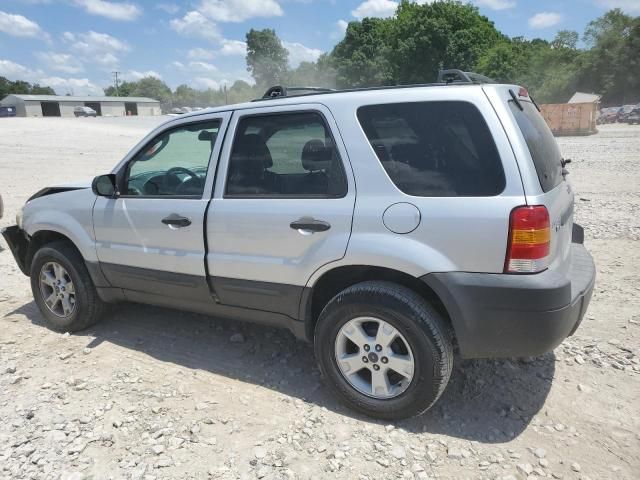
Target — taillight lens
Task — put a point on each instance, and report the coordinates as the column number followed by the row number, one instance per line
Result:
column 529, row 237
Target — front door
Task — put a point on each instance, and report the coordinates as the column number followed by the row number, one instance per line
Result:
column 150, row 238
column 282, row 207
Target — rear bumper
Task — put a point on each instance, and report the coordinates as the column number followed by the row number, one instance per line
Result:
column 496, row 315
column 18, row 244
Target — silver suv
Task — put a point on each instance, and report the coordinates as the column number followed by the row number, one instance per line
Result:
column 388, row 226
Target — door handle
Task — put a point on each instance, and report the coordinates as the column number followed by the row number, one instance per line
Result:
column 310, row 224
column 175, row 220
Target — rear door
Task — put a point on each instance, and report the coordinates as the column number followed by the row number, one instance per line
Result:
column 282, row 207
column 543, row 176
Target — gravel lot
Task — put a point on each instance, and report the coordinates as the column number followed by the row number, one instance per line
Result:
column 154, row 393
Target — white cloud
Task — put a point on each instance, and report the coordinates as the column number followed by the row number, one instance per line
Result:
column 60, row 62
column 629, row 6
column 496, row 4
column 544, row 20
column 233, row 47
column 239, row 10
column 97, row 48
column 203, row 82
column 200, row 54
column 15, row 71
column 113, row 10
column 340, row 30
column 73, row 86
column 299, row 53
column 194, row 24
column 170, row 8
column 202, row 67
column 20, row 26
column 135, row 75
column 375, row 8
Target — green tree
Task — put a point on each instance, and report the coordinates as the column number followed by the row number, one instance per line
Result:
column 445, row 34
column 314, row 74
column 152, row 87
column 611, row 66
column 363, row 57
column 8, row 87
column 185, row 96
column 414, row 44
column 267, row 59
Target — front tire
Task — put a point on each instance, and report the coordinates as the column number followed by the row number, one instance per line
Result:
column 384, row 350
column 63, row 290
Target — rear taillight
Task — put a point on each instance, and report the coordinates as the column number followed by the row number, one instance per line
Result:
column 529, row 236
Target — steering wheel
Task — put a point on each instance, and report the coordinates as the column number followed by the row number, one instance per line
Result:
column 173, row 172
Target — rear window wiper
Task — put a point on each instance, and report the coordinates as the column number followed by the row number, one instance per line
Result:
column 515, row 99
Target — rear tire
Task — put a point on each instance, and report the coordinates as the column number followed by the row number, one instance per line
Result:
column 63, row 290
column 421, row 346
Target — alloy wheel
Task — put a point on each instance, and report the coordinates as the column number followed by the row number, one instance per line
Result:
column 57, row 289
column 374, row 357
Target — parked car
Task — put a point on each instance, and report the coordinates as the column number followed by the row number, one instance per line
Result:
column 624, row 112
column 634, row 116
column 84, row 112
column 7, row 111
column 608, row 115
column 460, row 232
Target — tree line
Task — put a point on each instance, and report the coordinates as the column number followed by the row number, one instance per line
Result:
column 20, row 87
column 419, row 40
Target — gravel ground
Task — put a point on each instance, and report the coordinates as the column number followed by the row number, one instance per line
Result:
column 153, row 393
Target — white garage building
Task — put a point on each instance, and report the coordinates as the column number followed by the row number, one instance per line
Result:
column 63, row 106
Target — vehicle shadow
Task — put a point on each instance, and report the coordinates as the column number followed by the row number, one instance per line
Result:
column 489, row 401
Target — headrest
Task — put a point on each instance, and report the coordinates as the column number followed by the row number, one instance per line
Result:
column 252, row 148
column 316, row 156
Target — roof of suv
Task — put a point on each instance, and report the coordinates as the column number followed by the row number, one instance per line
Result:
column 322, row 96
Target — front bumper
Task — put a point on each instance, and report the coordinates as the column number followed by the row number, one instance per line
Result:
column 18, row 244
column 497, row 315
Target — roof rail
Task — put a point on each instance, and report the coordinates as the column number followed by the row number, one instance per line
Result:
column 453, row 75
column 278, row 91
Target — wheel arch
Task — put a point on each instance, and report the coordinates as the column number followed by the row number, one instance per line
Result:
column 40, row 238
column 333, row 281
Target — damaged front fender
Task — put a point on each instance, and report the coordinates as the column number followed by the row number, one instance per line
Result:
column 18, row 244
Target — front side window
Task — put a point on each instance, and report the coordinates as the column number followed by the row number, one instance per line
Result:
column 434, row 149
column 290, row 155
column 174, row 163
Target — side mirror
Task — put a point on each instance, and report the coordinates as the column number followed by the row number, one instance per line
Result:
column 105, row 186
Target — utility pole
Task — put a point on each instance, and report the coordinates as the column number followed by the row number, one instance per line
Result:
column 115, row 81
column 226, row 96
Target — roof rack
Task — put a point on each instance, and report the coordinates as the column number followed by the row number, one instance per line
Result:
column 281, row 91
column 453, row 75
column 445, row 77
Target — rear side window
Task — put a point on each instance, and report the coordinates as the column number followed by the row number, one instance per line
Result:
column 434, row 149
column 542, row 146
column 285, row 155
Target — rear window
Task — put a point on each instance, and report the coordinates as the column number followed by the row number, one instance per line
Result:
column 542, row 146
column 434, row 149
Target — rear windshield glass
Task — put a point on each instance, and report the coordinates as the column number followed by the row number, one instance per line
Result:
column 434, row 149
column 542, row 146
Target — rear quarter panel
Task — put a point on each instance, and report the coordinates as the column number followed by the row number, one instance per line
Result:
column 455, row 233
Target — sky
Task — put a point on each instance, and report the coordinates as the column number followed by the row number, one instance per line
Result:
column 75, row 45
